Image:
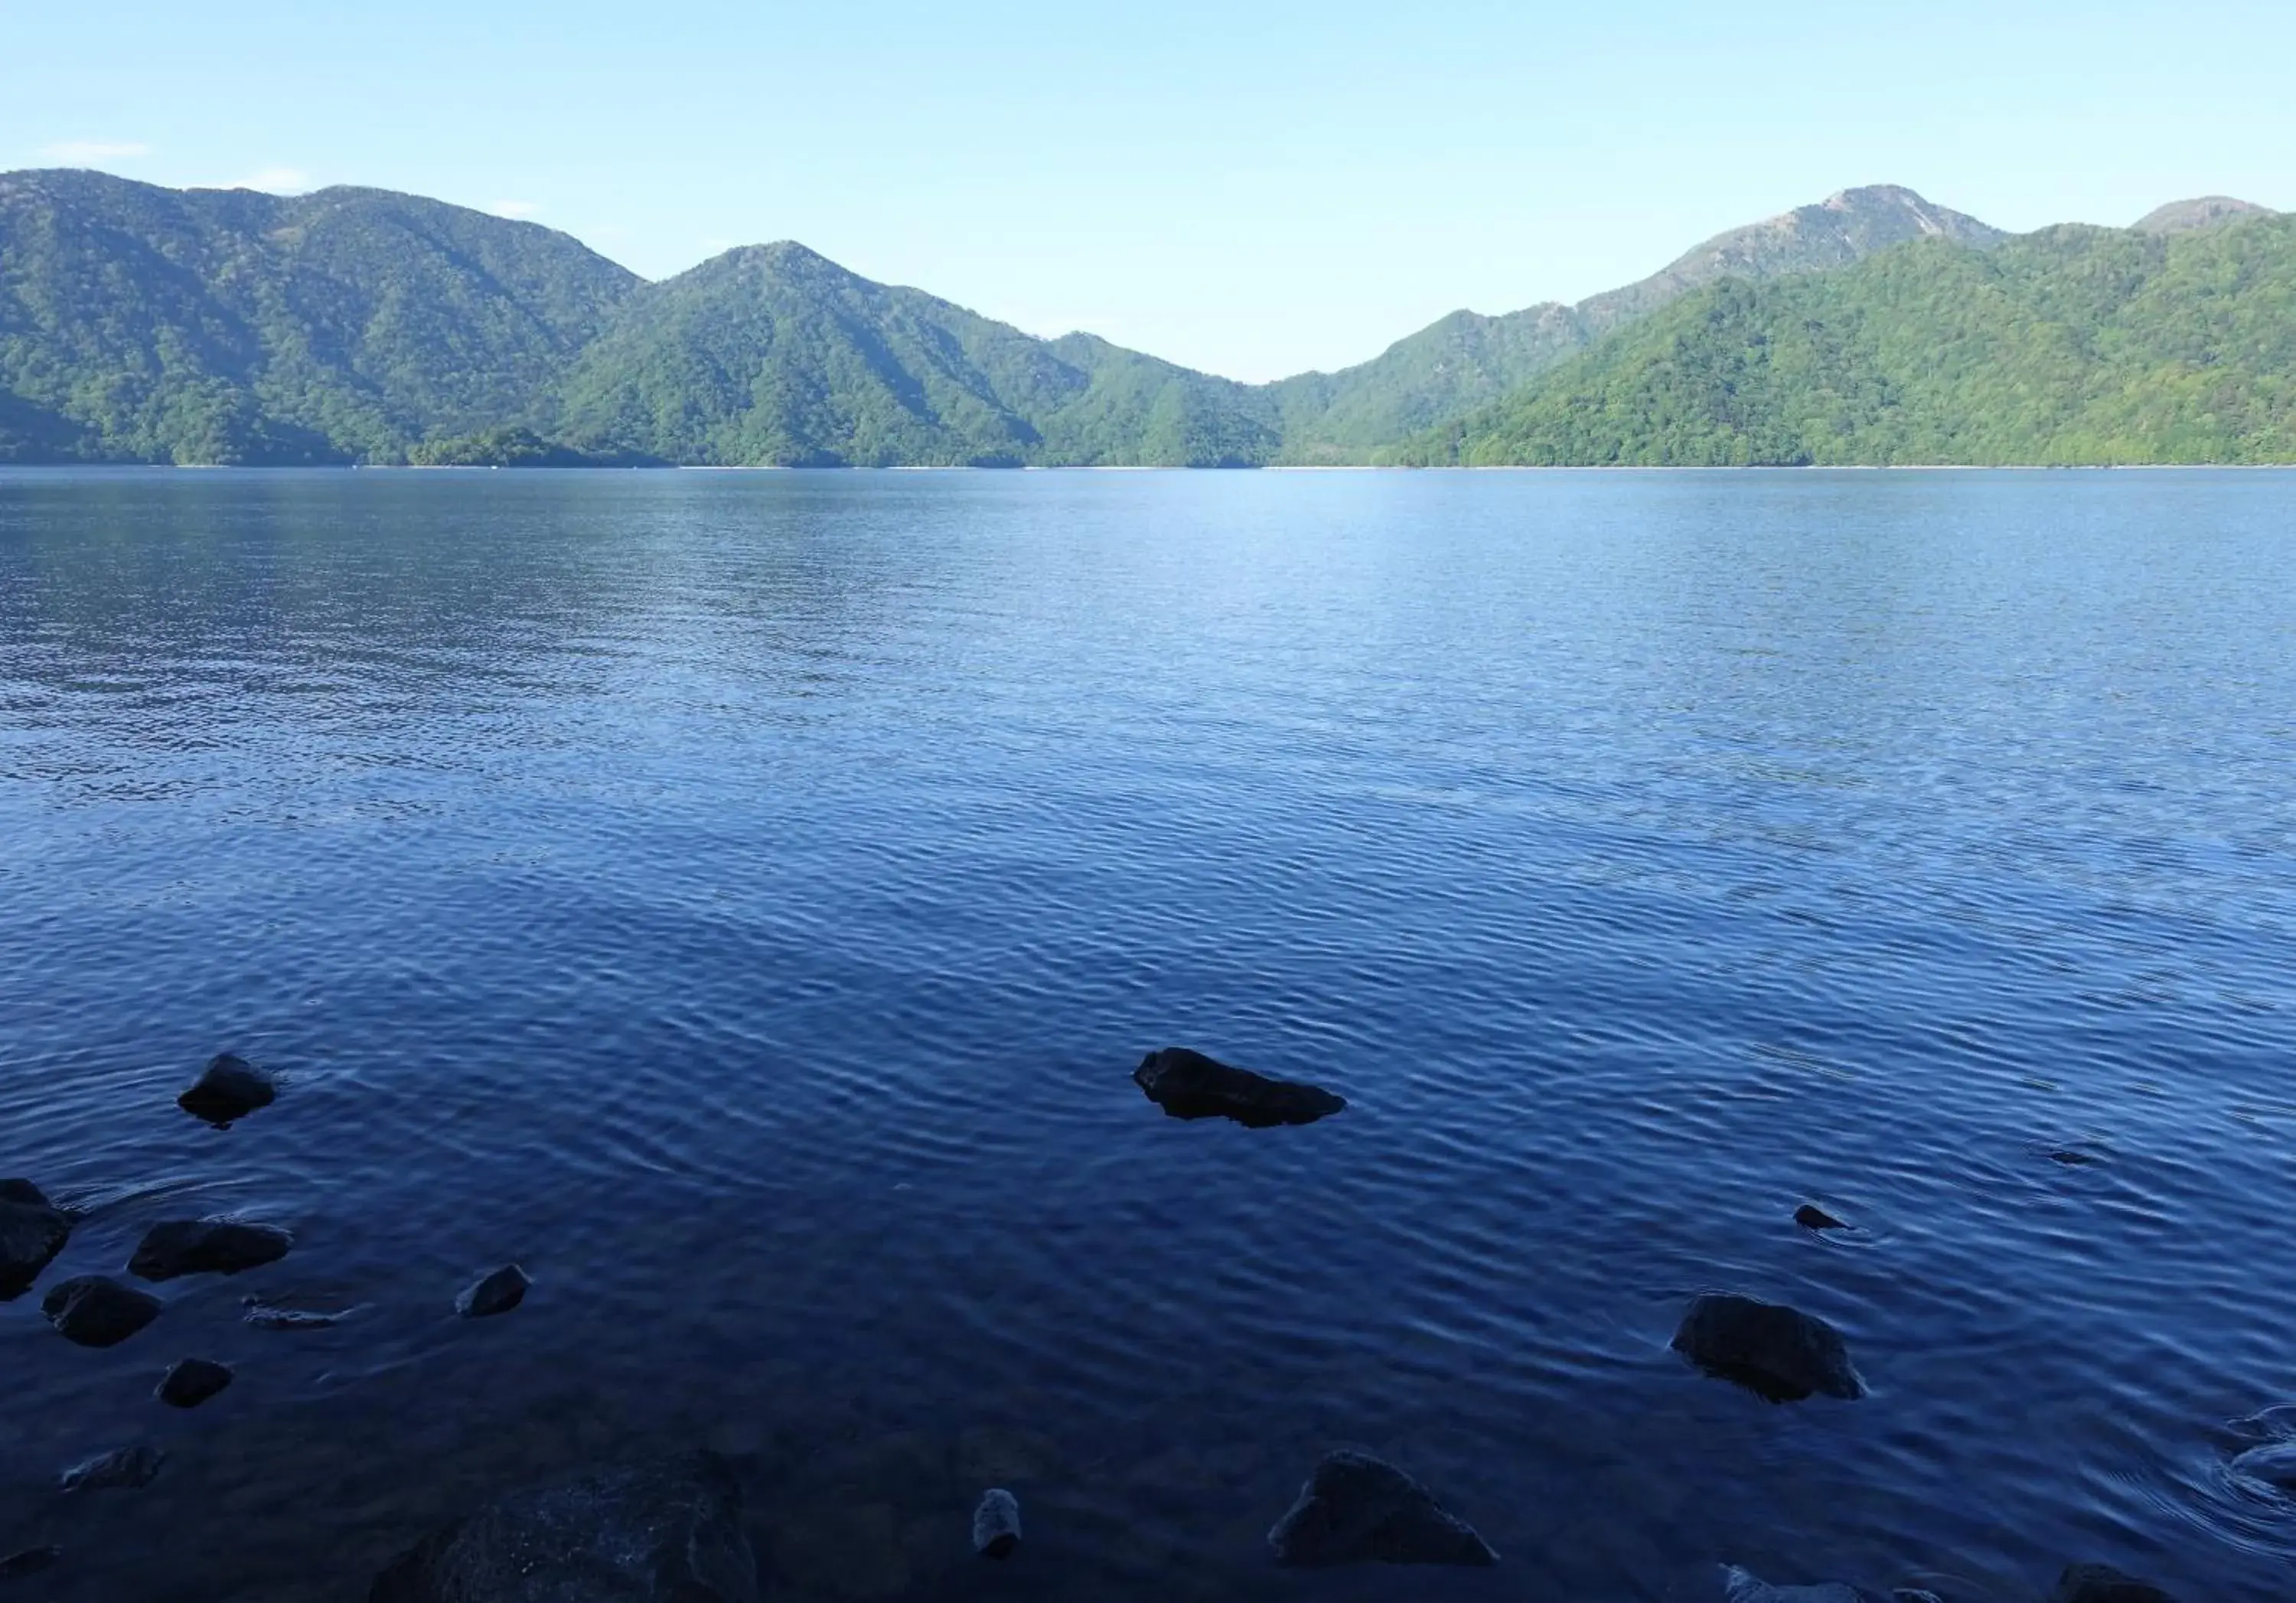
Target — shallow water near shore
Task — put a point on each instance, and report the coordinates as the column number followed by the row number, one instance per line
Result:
column 741, row 900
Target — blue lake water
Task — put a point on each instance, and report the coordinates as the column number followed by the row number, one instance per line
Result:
column 743, row 898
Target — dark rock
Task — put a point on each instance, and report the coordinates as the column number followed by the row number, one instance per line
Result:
column 1188, row 1085
column 1811, row 1217
column 122, row 1469
column 207, row 1246
column 98, row 1313
column 229, row 1088
column 192, row 1382
column 273, row 1316
column 668, row 1532
column 31, row 1561
column 2102, row 1583
column 32, row 1231
column 1780, row 1352
column 997, row 1523
column 1359, row 1509
column 497, row 1293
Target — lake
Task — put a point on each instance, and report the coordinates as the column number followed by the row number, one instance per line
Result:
column 741, row 900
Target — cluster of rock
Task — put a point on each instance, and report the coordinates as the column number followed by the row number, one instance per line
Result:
column 670, row 1531
column 100, row 1310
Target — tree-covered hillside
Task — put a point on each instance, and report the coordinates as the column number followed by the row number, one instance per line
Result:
column 2073, row 345
column 775, row 355
column 147, row 324
column 1466, row 359
column 143, row 324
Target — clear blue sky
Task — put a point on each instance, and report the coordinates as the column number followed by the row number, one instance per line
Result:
column 1252, row 188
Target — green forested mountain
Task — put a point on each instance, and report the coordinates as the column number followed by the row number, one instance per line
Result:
column 142, row 323
column 2072, row 345
column 1466, row 359
column 774, row 354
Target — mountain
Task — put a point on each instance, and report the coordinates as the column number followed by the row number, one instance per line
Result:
column 1467, row 360
column 2206, row 212
column 2072, row 345
column 143, row 323
column 773, row 354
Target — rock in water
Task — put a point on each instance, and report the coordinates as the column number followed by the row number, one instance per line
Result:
column 1359, row 1509
column 122, row 1469
column 31, row 1561
column 273, row 1316
column 192, row 1382
column 229, row 1088
column 497, row 1293
column 32, row 1231
column 1811, row 1217
column 2103, row 1584
column 1188, row 1085
column 98, row 1313
column 1780, row 1352
column 1743, row 1586
column 207, row 1246
column 997, row 1523
column 669, row 1532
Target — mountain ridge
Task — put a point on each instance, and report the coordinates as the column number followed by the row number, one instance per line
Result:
column 353, row 323
column 2073, row 345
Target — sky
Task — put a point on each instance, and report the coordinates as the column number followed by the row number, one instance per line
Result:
column 1253, row 189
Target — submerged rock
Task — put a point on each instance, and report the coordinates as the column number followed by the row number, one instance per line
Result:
column 1743, row 1586
column 207, row 1246
column 1780, row 1352
column 32, row 1231
column 31, row 1561
column 122, row 1469
column 1359, row 1509
column 98, row 1313
column 192, row 1382
column 2103, row 1584
column 1189, row 1085
column 496, row 1293
column 997, row 1523
column 668, row 1532
column 230, row 1088
column 274, row 1316
column 1809, row 1216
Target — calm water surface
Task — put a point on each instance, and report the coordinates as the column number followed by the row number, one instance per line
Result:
column 743, row 898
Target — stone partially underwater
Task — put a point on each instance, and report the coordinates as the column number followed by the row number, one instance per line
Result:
column 1188, row 1085
column 2103, row 1584
column 94, row 1311
column 207, row 1246
column 497, row 1292
column 1743, row 1586
column 997, row 1523
column 228, row 1090
column 1779, row 1353
column 664, row 1531
column 1359, row 1509
column 122, row 1469
column 32, row 1231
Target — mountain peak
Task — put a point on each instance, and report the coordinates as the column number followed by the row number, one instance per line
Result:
column 1846, row 226
column 2204, row 212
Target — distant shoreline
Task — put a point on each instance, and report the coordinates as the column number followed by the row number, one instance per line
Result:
column 707, row 467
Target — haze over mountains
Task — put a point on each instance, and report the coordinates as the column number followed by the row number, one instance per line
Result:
column 146, row 325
